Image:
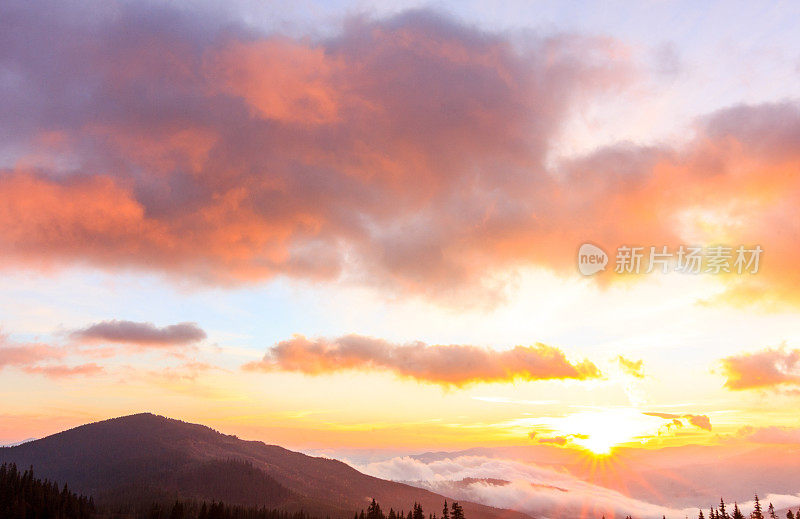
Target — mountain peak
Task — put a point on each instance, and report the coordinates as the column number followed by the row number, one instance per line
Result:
column 164, row 458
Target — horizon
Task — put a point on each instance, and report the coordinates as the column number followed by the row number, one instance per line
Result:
column 563, row 233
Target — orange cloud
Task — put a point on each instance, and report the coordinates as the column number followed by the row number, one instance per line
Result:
column 408, row 153
column 772, row 434
column 303, row 81
column 700, row 421
column 768, row 369
column 631, row 367
column 447, row 365
column 555, row 440
column 255, row 155
column 143, row 334
column 60, row 371
column 35, row 358
column 26, row 354
column 560, row 440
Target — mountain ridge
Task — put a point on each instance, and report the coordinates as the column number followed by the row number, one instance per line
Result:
column 133, row 457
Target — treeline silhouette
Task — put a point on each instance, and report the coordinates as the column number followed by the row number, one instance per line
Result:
column 374, row 511
column 22, row 496
column 758, row 513
column 721, row 512
column 214, row 510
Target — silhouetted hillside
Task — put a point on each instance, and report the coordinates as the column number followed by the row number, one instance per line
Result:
column 23, row 496
column 142, row 457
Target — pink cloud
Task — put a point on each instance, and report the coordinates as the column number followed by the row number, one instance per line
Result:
column 26, row 354
column 406, row 153
column 452, row 364
column 772, row 434
column 60, row 371
column 255, row 155
column 765, row 369
column 37, row 358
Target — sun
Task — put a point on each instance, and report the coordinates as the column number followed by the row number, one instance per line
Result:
column 599, row 431
column 599, row 445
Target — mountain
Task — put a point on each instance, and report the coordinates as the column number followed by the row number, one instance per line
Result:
column 144, row 457
column 14, row 444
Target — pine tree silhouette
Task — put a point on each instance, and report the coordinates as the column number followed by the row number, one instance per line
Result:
column 757, row 510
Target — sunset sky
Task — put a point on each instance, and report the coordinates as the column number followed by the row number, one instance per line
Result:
column 342, row 226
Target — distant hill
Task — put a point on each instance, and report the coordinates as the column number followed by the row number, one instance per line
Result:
column 144, row 457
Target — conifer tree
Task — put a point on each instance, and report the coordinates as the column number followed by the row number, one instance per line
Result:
column 374, row 511
column 737, row 514
column 446, row 512
column 757, row 514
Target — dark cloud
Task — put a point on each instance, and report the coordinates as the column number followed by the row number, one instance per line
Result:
column 143, row 334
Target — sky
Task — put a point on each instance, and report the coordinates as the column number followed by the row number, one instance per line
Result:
column 350, row 227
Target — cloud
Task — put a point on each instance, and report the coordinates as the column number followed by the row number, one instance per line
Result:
column 532, row 489
column 630, row 367
column 452, row 364
column 26, row 354
column 60, row 371
column 38, row 357
column 142, row 334
column 700, row 421
column 555, row 440
column 560, row 440
column 767, row 369
column 408, row 154
column 771, row 434
column 49, row 360
column 251, row 155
